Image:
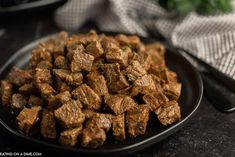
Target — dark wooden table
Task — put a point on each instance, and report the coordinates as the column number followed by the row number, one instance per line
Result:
column 208, row 134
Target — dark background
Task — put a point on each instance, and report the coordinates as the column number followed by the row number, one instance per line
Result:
column 209, row 133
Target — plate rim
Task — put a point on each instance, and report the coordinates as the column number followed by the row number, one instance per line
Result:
column 149, row 141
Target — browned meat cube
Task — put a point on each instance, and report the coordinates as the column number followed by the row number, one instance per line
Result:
column 172, row 90
column 40, row 53
column 137, row 119
column 46, row 90
column 93, row 137
column 88, row 113
column 119, row 104
column 64, row 97
column 119, row 127
column 99, row 120
column 19, row 77
column 97, row 82
column 169, row 114
column 35, row 101
column 69, row 137
column 74, row 48
column 157, row 47
column 27, row 88
column 48, row 126
column 18, row 101
column 74, row 79
column 44, row 65
column 114, row 78
column 144, row 85
column 95, row 49
column 122, row 39
column 125, row 91
column 61, row 63
column 144, row 59
column 62, row 86
column 135, row 71
column 87, row 96
column 107, row 41
column 43, row 76
column 6, row 92
column 156, row 58
column 151, row 101
column 136, row 44
column 91, row 36
column 70, row 115
column 115, row 54
column 163, row 73
column 59, row 44
column 81, row 61
column 27, row 118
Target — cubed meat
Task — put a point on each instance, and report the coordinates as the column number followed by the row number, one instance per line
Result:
column 18, row 101
column 27, row 88
column 19, row 77
column 136, row 120
column 35, row 101
column 125, row 91
column 100, row 120
column 115, row 54
column 59, row 44
column 114, row 78
column 27, row 118
column 69, row 115
column 44, row 65
column 122, row 39
column 107, row 42
column 151, row 101
column 119, row 127
column 119, row 104
column 46, row 90
column 143, row 85
column 93, row 137
column 64, row 97
column 135, row 71
column 74, row 48
column 81, row 62
column 169, row 114
column 74, row 79
column 61, row 63
column 97, row 82
column 157, row 47
column 43, row 76
column 156, row 58
column 62, row 86
column 163, row 73
column 6, row 92
column 172, row 90
column 88, row 113
column 87, row 96
column 48, row 126
column 95, row 49
column 144, row 59
column 69, row 137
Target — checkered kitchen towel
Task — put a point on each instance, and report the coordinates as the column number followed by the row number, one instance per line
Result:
column 210, row 38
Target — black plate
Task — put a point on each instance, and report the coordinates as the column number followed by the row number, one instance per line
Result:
column 189, row 101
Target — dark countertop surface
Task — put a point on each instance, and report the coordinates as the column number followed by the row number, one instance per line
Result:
column 209, row 133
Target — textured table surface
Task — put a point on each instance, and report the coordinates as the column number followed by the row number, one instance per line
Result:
column 208, row 134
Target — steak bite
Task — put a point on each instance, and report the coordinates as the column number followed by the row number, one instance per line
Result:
column 93, row 137
column 44, row 64
column 69, row 137
column 48, row 126
column 64, row 97
column 87, row 96
column 95, row 49
column 100, row 120
column 43, row 76
column 27, row 88
column 135, row 71
column 136, row 120
column 18, row 77
column 169, row 114
column 61, row 63
column 119, row 104
column 114, row 54
column 18, row 101
column 6, row 92
column 81, row 61
column 74, row 79
column 97, row 82
column 151, row 101
column 35, row 101
column 46, row 90
column 172, row 90
column 69, row 115
column 27, row 118
column 114, row 78
column 88, row 113
column 143, row 85
column 119, row 127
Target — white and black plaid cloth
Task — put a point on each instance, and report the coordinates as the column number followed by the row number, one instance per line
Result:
column 210, row 38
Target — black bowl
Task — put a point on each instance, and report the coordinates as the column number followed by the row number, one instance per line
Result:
column 192, row 89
